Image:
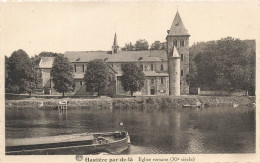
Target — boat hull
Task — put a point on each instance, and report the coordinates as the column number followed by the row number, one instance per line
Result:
column 115, row 147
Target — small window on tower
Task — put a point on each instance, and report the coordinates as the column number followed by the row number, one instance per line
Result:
column 175, row 43
column 182, row 42
column 182, row 57
column 181, row 72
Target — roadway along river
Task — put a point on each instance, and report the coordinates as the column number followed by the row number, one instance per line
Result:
column 209, row 130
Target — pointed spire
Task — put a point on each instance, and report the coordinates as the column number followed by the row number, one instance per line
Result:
column 175, row 53
column 178, row 27
column 115, row 40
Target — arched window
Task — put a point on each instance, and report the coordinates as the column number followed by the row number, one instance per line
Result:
column 161, row 67
column 182, row 43
column 175, row 43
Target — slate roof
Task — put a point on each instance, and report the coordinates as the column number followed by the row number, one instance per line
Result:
column 175, row 53
column 121, row 56
column 178, row 27
column 115, row 40
column 148, row 73
column 46, row 62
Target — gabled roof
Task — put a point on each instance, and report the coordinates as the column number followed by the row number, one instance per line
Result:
column 121, row 56
column 46, row 62
column 178, row 27
column 85, row 56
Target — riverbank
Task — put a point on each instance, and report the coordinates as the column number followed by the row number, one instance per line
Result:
column 157, row 102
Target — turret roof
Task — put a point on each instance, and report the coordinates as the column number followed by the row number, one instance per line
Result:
column 175, row 53
column 178, row 27
column 115, row 40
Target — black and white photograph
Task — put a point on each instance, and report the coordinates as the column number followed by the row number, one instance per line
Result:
column 129, row 81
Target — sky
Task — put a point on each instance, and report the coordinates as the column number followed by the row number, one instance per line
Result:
column 84, row 26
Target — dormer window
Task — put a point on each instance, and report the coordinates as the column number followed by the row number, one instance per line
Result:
column 141, row 58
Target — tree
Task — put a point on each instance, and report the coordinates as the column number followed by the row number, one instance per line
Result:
column 128, row 47
column 156, row 45
column 132, row 78
column 141, row 44
column 6, row 68
column 62, row 75
column 96, row 76
column 225, row 64
column 21, row 72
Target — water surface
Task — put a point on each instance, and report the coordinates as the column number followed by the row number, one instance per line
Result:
column 209, row 130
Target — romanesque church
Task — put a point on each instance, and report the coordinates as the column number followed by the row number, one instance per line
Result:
column 165, row 70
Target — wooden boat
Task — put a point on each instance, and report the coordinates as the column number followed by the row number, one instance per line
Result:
column 110, row 142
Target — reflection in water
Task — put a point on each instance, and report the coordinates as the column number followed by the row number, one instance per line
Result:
column 211, row 130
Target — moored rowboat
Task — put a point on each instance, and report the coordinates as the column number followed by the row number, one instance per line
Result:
column 110, row 142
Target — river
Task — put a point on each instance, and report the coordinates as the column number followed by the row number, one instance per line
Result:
column 209, row 130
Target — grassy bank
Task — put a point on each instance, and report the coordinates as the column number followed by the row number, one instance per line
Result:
column 160, row 102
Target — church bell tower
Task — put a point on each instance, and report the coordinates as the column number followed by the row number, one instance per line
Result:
column 178, row 51
column 115, row 47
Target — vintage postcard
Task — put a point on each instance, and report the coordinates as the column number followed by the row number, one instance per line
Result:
column 129, row 81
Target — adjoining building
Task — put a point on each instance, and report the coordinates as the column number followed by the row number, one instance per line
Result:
column 165, row 70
